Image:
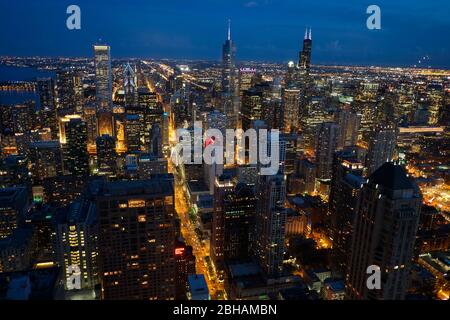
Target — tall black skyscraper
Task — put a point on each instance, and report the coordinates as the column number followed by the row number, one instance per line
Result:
column 229, row 78
column 304, row 62
column 76, row 153
column 228, row 64
column 234, row 212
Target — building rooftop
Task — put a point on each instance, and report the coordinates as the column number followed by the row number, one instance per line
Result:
column 157, row 184
column 392, row 177
column 8, row 195
column 197, row 186
column 197, row 284
column 39, row 284
column 45, row 144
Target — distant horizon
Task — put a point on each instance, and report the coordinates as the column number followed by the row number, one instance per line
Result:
column 238, row 62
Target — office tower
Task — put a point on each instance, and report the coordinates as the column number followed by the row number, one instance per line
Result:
column 130, row 85
column 345, row 191
column 103, row 77
column 76, row 156
column 306, row 173
column 326, row 145
column 255, row 102
column 270, row 218
column 291, row 109
column 133, row 130
column 106, row 156
column 381, row 147
column 289, row 78
column 149, row 165
column 270, row 223
column 246, row 79
column 156, row 141
column 46, row 160
column 47, row 100
column 14, row 203
column 42, row 219
column 348, row 122
column 150, row 112
column 229, row 76
column 136, row 239
column 185, row 266
column 233, row 220
column 385, row 228
column 304, row 63
column 23, row 119
column 69, row 92
column 76, row 242
column 90, row 117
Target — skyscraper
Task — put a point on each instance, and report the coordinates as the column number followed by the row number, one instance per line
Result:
column 229, row 77
column 185, row 266
column 384, row 232
column 69, row 92
column 106, row 155
column 103, row 77
column 270, row 219
column 103, row 87
column 130, row 85
column 47, row 101
column 291, row 109
column 136, row 238
column 345, row 192
column 233, row 220
column 304, row 63
column 270, row 223
column 348, row 122
column 46, row 160
column 76, row 238
column 76, row 157
column 14, row 203
column 325, row 148
column 381, row 147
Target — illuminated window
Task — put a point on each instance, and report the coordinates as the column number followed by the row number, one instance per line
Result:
column 136, row 203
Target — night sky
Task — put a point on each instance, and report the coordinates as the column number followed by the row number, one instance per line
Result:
column 267, row 30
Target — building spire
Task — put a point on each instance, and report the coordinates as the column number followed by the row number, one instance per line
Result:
column 310, row 33
column 306, row 33
column 229, row 29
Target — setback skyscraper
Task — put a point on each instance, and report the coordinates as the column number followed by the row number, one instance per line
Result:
column 384, row 232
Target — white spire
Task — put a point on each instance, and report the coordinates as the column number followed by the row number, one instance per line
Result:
column 229, row 29
column 306, row 33
column 310, row 34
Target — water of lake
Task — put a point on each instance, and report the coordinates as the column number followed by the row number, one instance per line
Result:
column 9, row 73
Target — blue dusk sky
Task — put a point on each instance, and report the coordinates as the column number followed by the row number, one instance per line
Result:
column 265, row 30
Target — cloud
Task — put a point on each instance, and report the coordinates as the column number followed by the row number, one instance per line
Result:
column 251, row 4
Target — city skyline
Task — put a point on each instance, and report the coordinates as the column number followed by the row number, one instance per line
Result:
column 163, row 179
column 160, row 31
